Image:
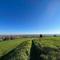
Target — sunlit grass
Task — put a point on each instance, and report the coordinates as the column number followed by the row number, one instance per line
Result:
column 7, row 46
column 53, row 42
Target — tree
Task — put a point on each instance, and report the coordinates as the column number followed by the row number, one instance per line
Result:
column 5, row 38
column 41, row 35
column 54, row 35
column 12, row 38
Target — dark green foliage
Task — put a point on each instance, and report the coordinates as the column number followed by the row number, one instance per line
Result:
column 5, row 38
column 54, row 35
column 35, row 52
column 41, row 35
column 12, row 38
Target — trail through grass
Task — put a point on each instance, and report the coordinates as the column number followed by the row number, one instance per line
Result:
column 46, row 48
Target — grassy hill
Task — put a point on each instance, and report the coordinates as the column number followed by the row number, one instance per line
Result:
column 45, row 48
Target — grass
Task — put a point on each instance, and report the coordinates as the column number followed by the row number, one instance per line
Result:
column 21, row 52
column 49, row 48
column 53, row 42
column 7, row 46
column 45, row 48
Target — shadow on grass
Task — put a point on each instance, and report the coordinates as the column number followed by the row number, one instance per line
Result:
column 35, row 52
column 15, row 54
column 8, row 56
column 12, row 54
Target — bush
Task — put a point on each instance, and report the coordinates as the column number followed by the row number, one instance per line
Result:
column 54, row 35
column 5, row 38
column 41, row 35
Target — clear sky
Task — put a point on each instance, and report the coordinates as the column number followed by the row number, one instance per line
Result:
column 29, row 16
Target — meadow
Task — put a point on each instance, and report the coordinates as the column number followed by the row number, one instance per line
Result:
column 44, row 48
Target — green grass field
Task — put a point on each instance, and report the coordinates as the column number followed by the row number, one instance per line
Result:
column 49, row 48
column 53, row 42
column 45, row 48
column 7, row 46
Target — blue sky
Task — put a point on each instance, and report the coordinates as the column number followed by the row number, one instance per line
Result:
column 29, row 16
